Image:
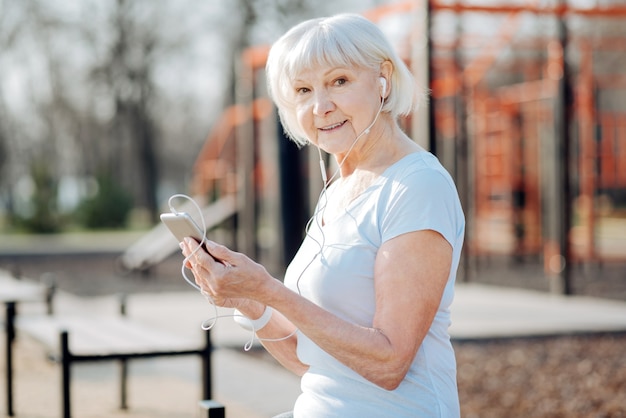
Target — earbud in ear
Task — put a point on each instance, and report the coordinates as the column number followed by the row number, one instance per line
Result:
column 383, row 86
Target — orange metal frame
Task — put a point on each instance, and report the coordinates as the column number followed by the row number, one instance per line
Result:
column 503, row 127
column 504, row 137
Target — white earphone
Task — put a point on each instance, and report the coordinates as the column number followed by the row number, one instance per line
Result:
column 383, row 87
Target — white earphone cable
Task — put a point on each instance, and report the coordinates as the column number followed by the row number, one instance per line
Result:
column 317, row 217
column 210, row 323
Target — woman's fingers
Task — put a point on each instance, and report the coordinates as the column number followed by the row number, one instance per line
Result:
column 222, row 273
column 194, row 254
column 195, row 262
column 209, row 274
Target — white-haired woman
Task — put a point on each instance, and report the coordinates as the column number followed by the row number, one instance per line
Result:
column 364, row 310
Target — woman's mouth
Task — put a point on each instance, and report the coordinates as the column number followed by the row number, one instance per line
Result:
column 332, row 127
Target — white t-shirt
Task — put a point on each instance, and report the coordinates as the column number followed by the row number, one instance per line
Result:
column 416, row 193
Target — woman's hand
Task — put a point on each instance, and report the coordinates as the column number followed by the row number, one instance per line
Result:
column 233, row 280
column 229, row 278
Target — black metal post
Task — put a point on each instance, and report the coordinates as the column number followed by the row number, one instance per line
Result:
column 462, row 174
column 294, row 206
column 10, row 335
column 561, row 281
column 49, row 280
column 65, row 373
column 123, row 300
column 207, row 387
column 214, row 409
column 123, row 383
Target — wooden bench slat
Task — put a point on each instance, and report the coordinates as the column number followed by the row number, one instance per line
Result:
column 19, row 290
column 101, row 335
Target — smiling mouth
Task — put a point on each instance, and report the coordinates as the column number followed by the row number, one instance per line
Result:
column 333, row 126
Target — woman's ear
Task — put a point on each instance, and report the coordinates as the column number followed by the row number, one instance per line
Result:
column 386, row 71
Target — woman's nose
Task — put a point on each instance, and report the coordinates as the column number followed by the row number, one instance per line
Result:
column 323, row 103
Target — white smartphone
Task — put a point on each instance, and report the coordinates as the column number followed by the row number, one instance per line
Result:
column 181, row 225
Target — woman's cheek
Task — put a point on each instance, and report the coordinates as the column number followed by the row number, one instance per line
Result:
column 305, row 120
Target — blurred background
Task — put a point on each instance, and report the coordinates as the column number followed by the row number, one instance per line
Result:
column 109, row 107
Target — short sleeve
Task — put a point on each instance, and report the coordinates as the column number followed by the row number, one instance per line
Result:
column 422, row 199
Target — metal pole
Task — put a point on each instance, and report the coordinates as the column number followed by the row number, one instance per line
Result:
column 214, row 409
column 123, row 383
column 560, row 282
column 245, row 150
column 420, row 67
column 207, row 372
column 65, row 374
column 10, row 336
column 461, row 148
column 432, row 133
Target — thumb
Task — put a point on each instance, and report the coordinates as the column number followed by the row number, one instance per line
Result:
column 219, row 252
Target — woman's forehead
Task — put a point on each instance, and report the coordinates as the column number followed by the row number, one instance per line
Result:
column 323, row 71
column 321, row 54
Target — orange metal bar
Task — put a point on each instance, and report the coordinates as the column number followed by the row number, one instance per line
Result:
column 610, row 11
column 380, row 12
column 620, row 151
column 606, row 155
column 255, row 57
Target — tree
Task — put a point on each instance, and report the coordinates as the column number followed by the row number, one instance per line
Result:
column 126, row 87
column 9, row 31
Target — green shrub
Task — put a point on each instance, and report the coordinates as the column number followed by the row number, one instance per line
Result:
column 43, row 215
column 108, row 208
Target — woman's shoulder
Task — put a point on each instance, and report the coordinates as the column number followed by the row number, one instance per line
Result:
column 421, row 164
column 418, row 176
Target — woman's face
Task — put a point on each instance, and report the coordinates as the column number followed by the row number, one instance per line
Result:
column 336, row 104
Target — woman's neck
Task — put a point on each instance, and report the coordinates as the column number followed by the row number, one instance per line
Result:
column 378, row 152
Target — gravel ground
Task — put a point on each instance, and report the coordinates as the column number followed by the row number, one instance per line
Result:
column 562, row 376
column 570, row 376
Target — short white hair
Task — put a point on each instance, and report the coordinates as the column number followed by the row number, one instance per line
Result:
column 344, row 40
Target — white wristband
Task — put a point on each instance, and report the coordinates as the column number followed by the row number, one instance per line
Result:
column 253, row 324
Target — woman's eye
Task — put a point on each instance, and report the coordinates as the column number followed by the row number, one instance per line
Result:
column 341, row 81
column 302, row 90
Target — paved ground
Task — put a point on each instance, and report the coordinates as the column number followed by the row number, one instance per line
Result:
column 249, row 383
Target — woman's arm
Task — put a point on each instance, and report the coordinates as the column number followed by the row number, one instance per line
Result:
column 224, row 271
column 410, row 275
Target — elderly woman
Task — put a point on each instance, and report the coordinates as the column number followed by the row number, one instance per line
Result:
column 364, row 310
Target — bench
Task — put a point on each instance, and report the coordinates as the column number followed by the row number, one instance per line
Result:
column 13, row 292
column 70, row 339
